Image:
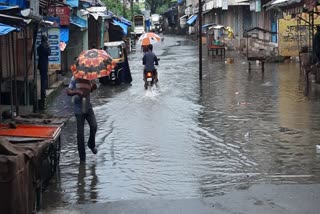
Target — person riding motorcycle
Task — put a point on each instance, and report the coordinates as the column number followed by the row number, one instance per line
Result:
column 149, row 61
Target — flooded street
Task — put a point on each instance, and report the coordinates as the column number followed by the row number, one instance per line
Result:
column 187, row 139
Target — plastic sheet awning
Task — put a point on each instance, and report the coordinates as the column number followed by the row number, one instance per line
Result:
column 122, row 25
column 192, row 19
column 208, row 25
column 4, row 7
column 64, row 34
column 76, row 20
column 125, row 21
column 20, row 3
column 5, row 29
column 72, row 3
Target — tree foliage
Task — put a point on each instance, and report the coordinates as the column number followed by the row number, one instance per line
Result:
column 158, row 6
column 117, row 8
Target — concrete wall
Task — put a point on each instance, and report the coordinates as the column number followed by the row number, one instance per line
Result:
column 75, row 45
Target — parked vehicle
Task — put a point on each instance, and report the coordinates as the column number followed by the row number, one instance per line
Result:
column 121, row 73
column 155, row 23
column 139, row 25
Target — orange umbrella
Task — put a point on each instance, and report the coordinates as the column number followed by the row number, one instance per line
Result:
column 149, row 38
column 93, row 64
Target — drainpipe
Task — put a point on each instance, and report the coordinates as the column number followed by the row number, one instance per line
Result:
column 35, row 76
column 26, row 77
column 102, row 33
column 15, row 92
column 10, row 78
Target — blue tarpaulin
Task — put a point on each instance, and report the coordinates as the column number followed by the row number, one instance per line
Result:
column 76, row 20
column 125, row 21
column 192, row 19
column 4, row 7
column 20, row 3
column 72, row 3
column 208, row 25
column 64, row 34
column 5, row 29
column 122, row 25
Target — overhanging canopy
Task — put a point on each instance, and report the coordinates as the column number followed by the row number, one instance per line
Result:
column 280, row 3
column 76, row 20
column 64, row 34
column 208, row 25
column 20, row 3
column 5, row 29
column 4, row 7
column 125, row 21
column 192, row 19
column 122, row 25
column 72, row 3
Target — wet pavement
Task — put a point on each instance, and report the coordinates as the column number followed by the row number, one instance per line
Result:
column 187, row 139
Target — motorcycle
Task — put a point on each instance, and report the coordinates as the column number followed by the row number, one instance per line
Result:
column 150, row 78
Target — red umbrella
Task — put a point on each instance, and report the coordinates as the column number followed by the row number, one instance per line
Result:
column 93, row 64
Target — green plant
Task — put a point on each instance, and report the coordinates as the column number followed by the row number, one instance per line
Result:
column 157, row 6
column 117, row 8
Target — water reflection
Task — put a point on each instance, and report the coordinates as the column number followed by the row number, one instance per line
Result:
column 87, row 184
column 192, row 139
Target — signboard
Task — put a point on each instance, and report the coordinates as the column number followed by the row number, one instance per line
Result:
column 258, row 6
column 224, row 4
column 54, row 58
column 252, row 6
column 54, row 42
column 292, row 37
column 62, row 12
column 55, row 20
column 35, row 7
column 187, row 11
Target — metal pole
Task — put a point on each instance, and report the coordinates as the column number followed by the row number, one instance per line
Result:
column 124, row 8
column 102, row 33
column 200, row 39
column 26, row 93
column 312, row 31
column 14, row 60
column 131, row 5
column 10, row 78
column 35, row 76
column 1, row 72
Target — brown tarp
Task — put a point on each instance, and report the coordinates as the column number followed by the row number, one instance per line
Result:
column 19, row 172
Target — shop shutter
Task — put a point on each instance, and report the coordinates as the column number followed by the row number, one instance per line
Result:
column 4, row 56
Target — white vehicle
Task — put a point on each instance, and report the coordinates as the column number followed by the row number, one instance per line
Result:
column 139, row 25
column 155, row 22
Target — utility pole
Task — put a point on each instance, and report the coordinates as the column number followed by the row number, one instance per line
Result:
column 124, row 8
column 131, row 7
column 200, row 39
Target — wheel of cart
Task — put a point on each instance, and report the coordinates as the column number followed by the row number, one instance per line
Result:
column 260, row 56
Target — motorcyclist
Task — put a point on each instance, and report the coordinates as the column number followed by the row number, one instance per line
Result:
column 149, row 61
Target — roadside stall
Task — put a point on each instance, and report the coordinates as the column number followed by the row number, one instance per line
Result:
column 29, row 157
column 297, row 27
column 260, row 56
column 215, row 43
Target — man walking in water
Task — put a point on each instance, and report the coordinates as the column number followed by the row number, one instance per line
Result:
column 80, row 90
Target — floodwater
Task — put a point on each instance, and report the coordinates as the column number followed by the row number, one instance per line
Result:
column 187, row 139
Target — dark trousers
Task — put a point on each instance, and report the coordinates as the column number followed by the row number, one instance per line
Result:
column 44, row 83
column 90, row 117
